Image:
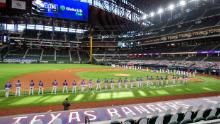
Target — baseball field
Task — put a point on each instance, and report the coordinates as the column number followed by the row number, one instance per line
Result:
column 48, row 72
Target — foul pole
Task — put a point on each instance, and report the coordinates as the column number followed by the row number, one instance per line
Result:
column 90, row 53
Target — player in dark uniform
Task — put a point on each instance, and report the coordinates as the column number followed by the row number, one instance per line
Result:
column 161, row 81
column 106, row 84
column 18, row 88
column 132, row 83
column 157, row 81
column 41, row 88
column 74, row 85
column 112, row 84
column 140, row 81
column 65, row 86
column 126, row 83
column 119, row 83
column 167, row 80
column 174, row 80
column 83, row 84
column 54, row 87
column 148, row 81
column 7, row 89
column 66, row 104
column 31, row 91
column 98, row 85
column 90, row 84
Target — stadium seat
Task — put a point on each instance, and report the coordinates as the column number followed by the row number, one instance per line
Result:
column 212, row 114
column 114, row 120
column 130, row 119
column 218, row 110
column 180, row 114
column 167, row 116
column 154, row 117
column 199, row 115
column 218, row 116
column 173, row 119
column 143, row 120
column 159, row 120
column 187, row 118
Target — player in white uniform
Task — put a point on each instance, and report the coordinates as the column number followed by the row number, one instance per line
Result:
column 90, row 84
column 83, row 83
column 98, row 85
column 54, row 87
column 65, row 86
column 7, row 89
column 18, row 88
column 112, row 84
column 132, row 83
column 106, row 84
column 119, row 83
column 74, row 84
column 31, row 91
column 126, row 83
column 41, row 88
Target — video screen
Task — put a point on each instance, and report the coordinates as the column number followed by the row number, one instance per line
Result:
column 64, row 9
column 2, row 4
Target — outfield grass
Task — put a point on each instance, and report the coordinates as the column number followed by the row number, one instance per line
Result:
column 8, row 71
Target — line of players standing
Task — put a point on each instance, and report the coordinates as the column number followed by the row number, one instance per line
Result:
column 160, row 81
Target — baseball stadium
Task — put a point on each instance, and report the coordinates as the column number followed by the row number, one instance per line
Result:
column 109, row 62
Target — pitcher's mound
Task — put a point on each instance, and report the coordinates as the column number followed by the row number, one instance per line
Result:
column 122, row 75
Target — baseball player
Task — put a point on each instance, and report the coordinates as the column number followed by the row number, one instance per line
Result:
column 31, row 91
column 119, row 83
column 7, row 89
column 157, row 81
column 151, row 80
column 161, row 81
column 98, row 85
column 90, row 84
column 83, row 83
column 18, row 88
column 74, row 84
column 41, row 88
column 174, row 80
column 106, row 84
column 126, row 83
column 140, row 82
column 185, row 79
column 112, row 84
column 65, row 86
column 54, row 87
column 167, row 80
column 178, row 81
column 148, row 81
column 132, row 83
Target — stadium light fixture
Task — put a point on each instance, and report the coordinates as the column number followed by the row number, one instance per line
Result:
column 171, row 7
column 160, row 11
column 144, row 16
column 182, row 3
column 152, row 14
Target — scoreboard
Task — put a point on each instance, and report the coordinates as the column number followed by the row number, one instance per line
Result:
column 64, row 9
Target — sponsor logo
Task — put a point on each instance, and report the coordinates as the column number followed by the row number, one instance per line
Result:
column 51, row 7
